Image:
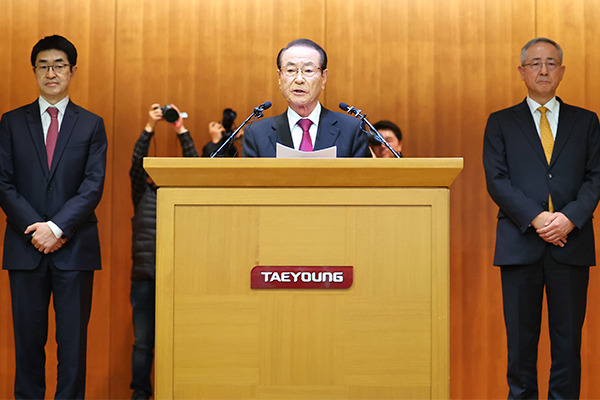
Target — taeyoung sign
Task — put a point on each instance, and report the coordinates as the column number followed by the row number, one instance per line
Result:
column 287, row 277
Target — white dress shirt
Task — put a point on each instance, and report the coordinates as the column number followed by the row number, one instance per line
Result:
column 295, row 129
column 553, row 107
column 45, row 116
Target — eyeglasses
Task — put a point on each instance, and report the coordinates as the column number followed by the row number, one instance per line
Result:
column 308, row 71
column 58, row 69
column 537, row 65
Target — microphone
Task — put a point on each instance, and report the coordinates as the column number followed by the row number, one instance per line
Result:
column 344, row 106
column 350, row 110
column 257, row 113
column 373, row 132
column 264, row 106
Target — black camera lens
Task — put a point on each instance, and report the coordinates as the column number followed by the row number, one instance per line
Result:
column 228, row 118
column 169, row 113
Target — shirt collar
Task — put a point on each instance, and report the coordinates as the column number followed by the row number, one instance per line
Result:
column 314, row 116
column 61, row 105
column 553, row 105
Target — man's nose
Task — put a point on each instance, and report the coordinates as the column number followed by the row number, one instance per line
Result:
column 299, row 77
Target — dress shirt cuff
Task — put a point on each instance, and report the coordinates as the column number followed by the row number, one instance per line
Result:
column 55, row 229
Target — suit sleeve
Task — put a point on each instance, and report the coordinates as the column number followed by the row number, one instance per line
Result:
column 249, row 147
column 19, row 212
column 512, row 201
column 581, row 209
column 79, row 207
column 360, row 144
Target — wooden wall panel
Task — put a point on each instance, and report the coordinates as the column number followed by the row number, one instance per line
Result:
column 437, row 68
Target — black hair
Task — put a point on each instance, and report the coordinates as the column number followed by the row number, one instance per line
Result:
column 55, row 42
column 304, row 43
column 389, row 125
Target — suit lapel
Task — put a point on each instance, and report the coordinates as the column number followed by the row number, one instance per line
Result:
column 528, row 129
column 328, row 131
column 280, row 131
column 34, row 123
column 566, row 122
column 66, row 130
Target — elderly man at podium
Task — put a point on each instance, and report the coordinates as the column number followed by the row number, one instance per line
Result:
column 306, row 125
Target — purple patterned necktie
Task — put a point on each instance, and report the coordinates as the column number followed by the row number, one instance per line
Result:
column 52, row 133
column 306, row 143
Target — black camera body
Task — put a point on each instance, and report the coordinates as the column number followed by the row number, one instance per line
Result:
column 229, row 117
column 169, row 113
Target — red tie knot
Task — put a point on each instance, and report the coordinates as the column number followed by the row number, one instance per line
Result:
column 53, row 111
column 305, row 124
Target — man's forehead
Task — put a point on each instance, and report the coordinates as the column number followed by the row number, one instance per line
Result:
column 298, row 53
column 51, row 56
column 541, row 50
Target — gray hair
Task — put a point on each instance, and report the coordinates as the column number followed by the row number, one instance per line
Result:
column 540, row 40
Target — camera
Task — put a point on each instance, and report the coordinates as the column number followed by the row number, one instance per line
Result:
column 228, row 118
column 169, row 113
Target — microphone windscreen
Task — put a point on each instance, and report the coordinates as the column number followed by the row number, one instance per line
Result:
column 266, row 105
column 344, row 106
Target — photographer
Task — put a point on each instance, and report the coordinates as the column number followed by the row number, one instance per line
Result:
column 219, row 133
column 143, row 193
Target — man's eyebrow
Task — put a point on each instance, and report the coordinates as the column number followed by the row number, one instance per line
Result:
column 55, row 60
column 540, row 58
column 291, row 64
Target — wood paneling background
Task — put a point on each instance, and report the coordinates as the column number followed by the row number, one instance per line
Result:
column 436, row 67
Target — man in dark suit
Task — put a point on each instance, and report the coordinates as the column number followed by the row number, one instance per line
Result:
column 542, row 166
column 306, row 125
column 52, row 166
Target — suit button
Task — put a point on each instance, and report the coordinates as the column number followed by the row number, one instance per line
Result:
column 49, row 188
column 549, row 176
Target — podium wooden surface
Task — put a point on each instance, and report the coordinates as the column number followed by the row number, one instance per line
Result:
column 386, row 337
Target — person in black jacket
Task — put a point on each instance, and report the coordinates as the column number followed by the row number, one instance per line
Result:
column 219, row 133
column 143, row 251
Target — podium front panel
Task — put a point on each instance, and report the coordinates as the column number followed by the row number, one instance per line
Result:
column 385, row 337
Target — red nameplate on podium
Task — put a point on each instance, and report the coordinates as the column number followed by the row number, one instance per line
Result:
column 288, row 277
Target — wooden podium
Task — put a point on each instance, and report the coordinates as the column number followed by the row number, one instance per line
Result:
column 386, row 337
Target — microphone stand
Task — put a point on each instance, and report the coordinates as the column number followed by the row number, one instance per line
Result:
column 257, row 114
column 363, row 117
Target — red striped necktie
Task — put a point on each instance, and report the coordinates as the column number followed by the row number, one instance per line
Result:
column 52, row 134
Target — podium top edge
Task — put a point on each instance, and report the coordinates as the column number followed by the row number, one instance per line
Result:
column 272, row 172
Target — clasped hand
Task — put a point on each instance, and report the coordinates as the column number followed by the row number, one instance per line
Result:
column 553, row 227
column 43, row 238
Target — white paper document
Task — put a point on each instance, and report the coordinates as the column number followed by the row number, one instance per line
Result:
column 282, row 151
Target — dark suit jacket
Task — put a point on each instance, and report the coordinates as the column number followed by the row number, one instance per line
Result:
column 67, row 194
column 519, row 180
column 335, row 129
